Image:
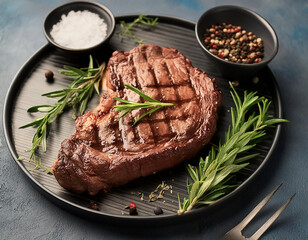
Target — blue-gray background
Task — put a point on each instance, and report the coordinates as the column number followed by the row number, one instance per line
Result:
column 26, row 214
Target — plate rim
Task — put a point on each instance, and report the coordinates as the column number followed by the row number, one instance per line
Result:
column 93, row 214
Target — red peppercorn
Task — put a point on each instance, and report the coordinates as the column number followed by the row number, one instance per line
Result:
column 213, row 26
column 132, row 205
column 230, row 25
column 236, row 30
column 214, row 46
column 229, row 30
column 256, row 60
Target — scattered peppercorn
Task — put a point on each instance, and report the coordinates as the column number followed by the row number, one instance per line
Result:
column 158, row 210
column 255, row 80
column 93, row 205
column 49, row 76
column 235, row 83
column 133, row 209
column 234, row 44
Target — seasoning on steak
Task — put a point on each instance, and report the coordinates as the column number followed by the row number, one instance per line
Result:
column 105, row 153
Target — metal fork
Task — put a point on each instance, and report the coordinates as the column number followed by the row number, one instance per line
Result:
column 236, row 232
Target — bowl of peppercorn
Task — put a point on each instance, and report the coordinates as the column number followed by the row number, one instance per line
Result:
column 237, row 40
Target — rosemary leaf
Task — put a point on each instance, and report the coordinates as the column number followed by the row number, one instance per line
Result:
column 39, row 108
column 136, row 90
column 34, row 123
column 76, row 71
column 54, row 94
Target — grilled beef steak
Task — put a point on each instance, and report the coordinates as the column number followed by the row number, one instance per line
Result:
column 105, row 153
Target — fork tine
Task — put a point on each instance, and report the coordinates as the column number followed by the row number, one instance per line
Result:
column 254, row 212
column 269, row 222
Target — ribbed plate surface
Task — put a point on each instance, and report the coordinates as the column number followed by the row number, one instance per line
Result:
column 30, row 83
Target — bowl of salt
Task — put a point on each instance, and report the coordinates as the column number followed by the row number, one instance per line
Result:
column 79, row 27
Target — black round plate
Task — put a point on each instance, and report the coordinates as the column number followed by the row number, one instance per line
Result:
column 29, row 83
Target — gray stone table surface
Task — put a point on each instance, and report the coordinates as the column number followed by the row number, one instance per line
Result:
column 26, row 214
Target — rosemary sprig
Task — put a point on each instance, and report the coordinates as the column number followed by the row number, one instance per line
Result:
column 130, row 105
column 142, row 19
column 77, row 95
column 212, row 178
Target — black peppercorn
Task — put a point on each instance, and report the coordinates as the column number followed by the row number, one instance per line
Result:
column 158, row 210
column 49, row 76
column 133, row 211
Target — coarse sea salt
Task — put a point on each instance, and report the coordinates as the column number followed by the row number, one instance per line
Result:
column 79, row 30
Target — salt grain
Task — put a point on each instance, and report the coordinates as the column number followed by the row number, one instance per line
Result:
column 79, row 30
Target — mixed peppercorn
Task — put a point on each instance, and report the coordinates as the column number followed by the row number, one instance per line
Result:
column 232, row 43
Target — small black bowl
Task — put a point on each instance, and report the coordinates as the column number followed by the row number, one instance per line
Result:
column 249, row 21
column 55, row 15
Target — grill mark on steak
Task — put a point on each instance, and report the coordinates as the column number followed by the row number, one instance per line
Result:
column 105, row 153
column 130, row 123
column 176, row 101
column 144, row 56
column 166, row 85
column 135, row 76
column 144, row 124
column 179, row 98
column 156, row 86
column 191, row 86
